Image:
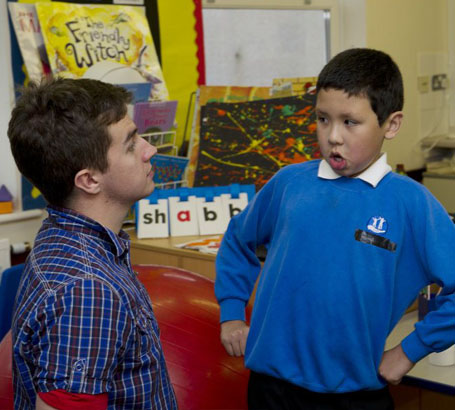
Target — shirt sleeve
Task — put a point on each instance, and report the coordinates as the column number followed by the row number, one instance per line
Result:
column 436, row 235
column 81, row 335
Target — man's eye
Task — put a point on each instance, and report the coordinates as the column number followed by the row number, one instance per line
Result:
column 350, row 122
column 132, row 146
column 322, row 119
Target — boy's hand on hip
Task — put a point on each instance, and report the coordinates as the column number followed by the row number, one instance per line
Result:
column 233, row 336
column 394, row 365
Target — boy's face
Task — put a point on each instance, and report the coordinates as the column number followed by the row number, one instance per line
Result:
column 349, row 134
column 129, row 176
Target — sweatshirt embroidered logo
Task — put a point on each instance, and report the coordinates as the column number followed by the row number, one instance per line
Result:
column 377, row 224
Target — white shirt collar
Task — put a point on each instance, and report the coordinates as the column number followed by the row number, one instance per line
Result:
column 373, row 174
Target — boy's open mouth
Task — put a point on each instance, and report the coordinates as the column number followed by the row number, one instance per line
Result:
column 336, row 161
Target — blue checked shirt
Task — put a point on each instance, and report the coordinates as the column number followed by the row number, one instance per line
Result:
column 83, row 322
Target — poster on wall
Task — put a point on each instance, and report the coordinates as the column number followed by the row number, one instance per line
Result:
column 28, row 34
column 110, row 43
column 248, row 142
column 207, row 94
column 31, row 196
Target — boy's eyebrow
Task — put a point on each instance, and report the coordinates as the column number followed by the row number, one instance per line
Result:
column 345, row 114
column 130, row 135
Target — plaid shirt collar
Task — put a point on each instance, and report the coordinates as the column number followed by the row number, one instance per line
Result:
column 72, row 221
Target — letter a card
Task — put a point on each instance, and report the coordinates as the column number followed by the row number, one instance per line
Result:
column 183, row 216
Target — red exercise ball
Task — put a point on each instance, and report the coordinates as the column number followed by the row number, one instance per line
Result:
column 6, row 380
column 204, row 376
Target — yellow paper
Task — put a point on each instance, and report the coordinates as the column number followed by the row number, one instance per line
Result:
column 101, row 42
column 178, row 56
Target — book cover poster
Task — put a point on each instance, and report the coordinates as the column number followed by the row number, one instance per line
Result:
column 207, row 94
column 30, row 40
column 168, row 168
column 154, row 116
column 112, row 43
column 248, row 142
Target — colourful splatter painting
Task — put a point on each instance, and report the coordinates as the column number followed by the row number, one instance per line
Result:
column 248, row 142
column 217, row 93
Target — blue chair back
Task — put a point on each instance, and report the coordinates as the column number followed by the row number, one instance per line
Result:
column 8, row 289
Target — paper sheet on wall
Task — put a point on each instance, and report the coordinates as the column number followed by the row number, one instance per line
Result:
column 28, row 34
column 111, row 43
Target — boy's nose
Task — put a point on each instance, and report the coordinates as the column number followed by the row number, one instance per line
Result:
column 335, row 136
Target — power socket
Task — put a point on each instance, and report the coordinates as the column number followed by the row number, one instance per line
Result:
column 439, row 82
column 423, row 84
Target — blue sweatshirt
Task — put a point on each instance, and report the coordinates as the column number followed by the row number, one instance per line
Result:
column 344, row 262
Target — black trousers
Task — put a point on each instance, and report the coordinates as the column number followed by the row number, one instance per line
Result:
column 269, row 393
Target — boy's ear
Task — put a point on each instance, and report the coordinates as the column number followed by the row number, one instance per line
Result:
column 393, row 124
column 87, row 180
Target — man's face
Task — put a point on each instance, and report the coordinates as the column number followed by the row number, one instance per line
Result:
column 129, row 176
column 349, row 135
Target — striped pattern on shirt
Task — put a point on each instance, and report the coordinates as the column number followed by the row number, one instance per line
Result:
column 83, row 322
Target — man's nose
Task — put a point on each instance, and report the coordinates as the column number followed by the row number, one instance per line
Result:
column 149, row 151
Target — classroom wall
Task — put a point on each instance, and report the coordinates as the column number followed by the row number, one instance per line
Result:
column 415, row 34
column 403, row 28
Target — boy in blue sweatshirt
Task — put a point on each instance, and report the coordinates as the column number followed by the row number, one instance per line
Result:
column 350, row 244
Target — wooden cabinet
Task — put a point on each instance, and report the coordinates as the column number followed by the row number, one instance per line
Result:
column 416, row 398
column 163, row 252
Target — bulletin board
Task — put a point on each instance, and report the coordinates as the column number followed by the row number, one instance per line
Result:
column 249, row 43
column 26, row 195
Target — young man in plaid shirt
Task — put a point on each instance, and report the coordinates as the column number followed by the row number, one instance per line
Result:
column 84, row 332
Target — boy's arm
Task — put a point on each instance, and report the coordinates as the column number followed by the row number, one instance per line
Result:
column 237, row 266
column 233, row 336
column 394, row 365
column 435, row 239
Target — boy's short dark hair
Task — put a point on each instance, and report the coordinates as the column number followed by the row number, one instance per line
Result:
column 59, row 127
column 368, row 72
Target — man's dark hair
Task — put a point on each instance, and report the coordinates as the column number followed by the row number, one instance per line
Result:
column 59, row 127
column 367, row 72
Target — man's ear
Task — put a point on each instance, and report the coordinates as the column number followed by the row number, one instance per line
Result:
column 88, row 181
column 393, row 124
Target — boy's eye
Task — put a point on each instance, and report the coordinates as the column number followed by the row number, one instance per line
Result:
column 322, row 119
column 350, row 122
